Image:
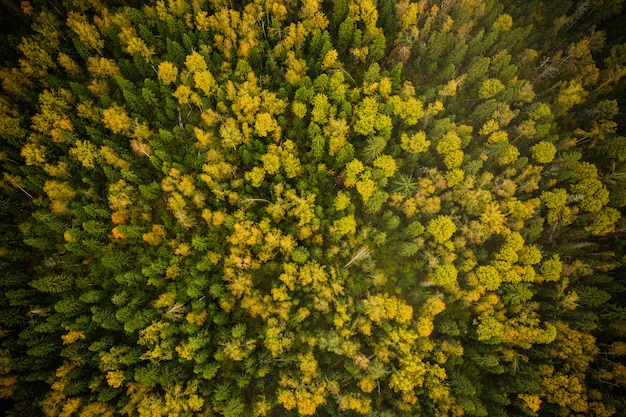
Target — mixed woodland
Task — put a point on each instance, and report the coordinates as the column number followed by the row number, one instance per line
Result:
column 384, row 208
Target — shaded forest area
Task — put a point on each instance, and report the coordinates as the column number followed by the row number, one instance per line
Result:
column 293, row 208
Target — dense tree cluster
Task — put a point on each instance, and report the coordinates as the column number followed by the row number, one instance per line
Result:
column 332, row 208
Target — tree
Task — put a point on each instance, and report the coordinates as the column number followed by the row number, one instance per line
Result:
column 543, row 152
column 205, row 81
column 86, row 32
column 365, row 186
column 168, row 73
column 503, row 23
column 551, row 268
column 410, row 110
column 369, row 120
column 594, row 192
column 116, row 119
column 441, row 228
column 415, row 144
column 445, row 275
column 490, row 88
column 489, row 277
column 489, row 330
column 570, row 94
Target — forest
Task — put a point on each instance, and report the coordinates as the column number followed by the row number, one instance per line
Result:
column 382, row 208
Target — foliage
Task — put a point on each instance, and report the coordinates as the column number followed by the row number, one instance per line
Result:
column 312, row 208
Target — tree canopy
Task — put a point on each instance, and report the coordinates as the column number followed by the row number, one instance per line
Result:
column 328, row 208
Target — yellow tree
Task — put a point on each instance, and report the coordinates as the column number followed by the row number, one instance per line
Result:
column 87, row 33
column 415, row 143
column 117, row 120
column 167, row 72
column 441, row 228
column 369, row 119
column 60, row 194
